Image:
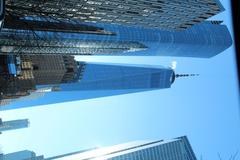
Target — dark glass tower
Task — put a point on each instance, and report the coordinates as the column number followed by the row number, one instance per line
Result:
column 28, row 71
column 93, row 80
column 164, row 14
column 175, row 149
column 203, row 40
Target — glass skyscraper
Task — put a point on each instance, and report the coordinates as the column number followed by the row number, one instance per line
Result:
column 93, row 80
column 203, row 40
column 175, row 149
column 12, row 125
column 164, row 14
column 21, row 155
column 100, row 76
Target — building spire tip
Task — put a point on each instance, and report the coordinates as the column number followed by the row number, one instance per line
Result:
column 186, row 75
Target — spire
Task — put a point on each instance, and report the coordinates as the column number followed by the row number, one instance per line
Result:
column 186, row 75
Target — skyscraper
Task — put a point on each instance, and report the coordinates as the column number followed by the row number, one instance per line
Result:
column 16, row 78
column 54, row 26
column 38, row 93
column 15, row 87
column 95, row 80
column 203, row 40
column 33, row 70
column 164, row 14
column 12, row 125
column 51, row 69
column 21, row 155
column 175, row 149
column 103, row 76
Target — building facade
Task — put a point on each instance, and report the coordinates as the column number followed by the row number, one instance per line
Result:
column 103, row 76
column 51, row 69
column 164, row 14
column 203, row 40
column 175, row 149
column 14, row 87
column 12, row 125
column 16, row 78
column 21, row 155
column 94, row 80
column 67, row 26
column 31, row 71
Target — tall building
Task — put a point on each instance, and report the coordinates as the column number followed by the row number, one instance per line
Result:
column 93, row 80
column 51, row 69
column 16, row 78
column 103, row 76
column 33, row 95
column 203, row 40
column 12, row 125
column 21, row 155
column 31, row 71
column 14, row 87
column 38, row 93
column 164, row 14
column 175, row 149
column 67, row 26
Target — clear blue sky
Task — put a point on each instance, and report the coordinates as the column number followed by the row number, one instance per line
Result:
column 205, row 108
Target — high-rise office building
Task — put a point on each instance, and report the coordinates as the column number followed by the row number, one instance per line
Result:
column 38, row 93
column 67, row 26
column 175, row 149
column 95, row 80
column 21, row 155
column 12, row 125
column 164, row 14
column 14, row 87
column 103, row 76
column 201, row 41
column 28, row 42
column 30, row 155
column 16, row 78
column 32, row 70
column 51, row 69
column 4, row 102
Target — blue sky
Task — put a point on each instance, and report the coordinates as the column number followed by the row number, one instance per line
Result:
column 205, row 108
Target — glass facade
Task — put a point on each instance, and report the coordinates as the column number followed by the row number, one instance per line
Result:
column 164, row 14
column 176, row 149
column 120, row 77
column 12, row 125
column 93, row 80
column 169, row 151
column 203, row 40
column 21, row 155
column 28, row 42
